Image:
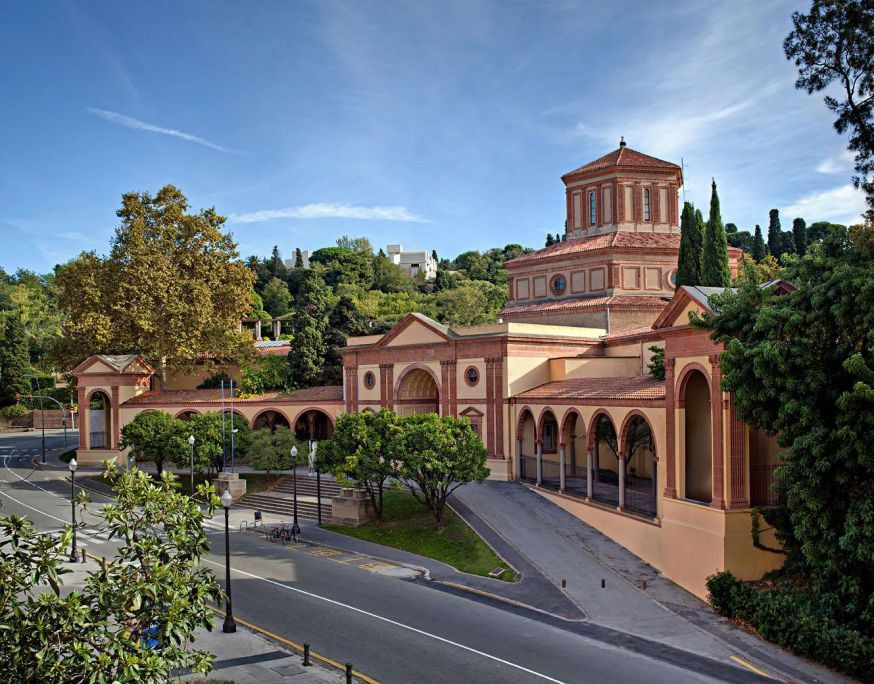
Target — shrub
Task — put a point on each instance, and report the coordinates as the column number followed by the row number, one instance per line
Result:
column 14, row 411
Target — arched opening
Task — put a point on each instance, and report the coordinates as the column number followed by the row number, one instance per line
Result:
column 313, row 426
column 526, row 437
column 573, row 434
column 99, row 421
column 270, row 419
column 640, row 466
column 605, row 461
column 417, row 393
column 186, row 415
column 550, row 471
column 698, row 441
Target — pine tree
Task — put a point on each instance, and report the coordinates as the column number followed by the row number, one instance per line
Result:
column 298, row 258
column 550, row 241
column 714, row 258
column 434, row 255
column 691, row 242
column 14, row 360
column 775, row 238
column 759, row 250
column 799, row 236
column 277, row 265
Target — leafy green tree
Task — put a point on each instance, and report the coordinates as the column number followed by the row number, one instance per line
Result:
column 775, row 235
column 742, row 239
column 271, row 451
column 209, row 448
column 216, row 381
column 344, row 321
column 550, row 241
column 787, row 242
column 344, row 267
column 276, row 297
column 691, row 244
column 799, row 236
column 730, row 228
column 801, row 366
column 364, row 448
column 14, row 360
column 443, row 280
column 33, row 298
column 834, row 45
column 310, row 319
column 714, row 255
column 656, row 365
column 155, row 436
column 361, row 245
column 389, row 277
column 276, row 265
column 155, row 587
column 758, row 251
column 434, row 255
column 465, row 305
column 173, row 289
column 298, row 258
column 438, row 454
column 270, row 374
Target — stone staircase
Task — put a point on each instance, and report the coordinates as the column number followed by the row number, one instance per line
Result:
column 279, row 499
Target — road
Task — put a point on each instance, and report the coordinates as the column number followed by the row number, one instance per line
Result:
column 390, row 629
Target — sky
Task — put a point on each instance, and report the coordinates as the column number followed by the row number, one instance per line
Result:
column 434, row 124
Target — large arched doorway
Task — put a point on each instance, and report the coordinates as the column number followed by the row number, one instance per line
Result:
column 698, row 439
column 417, row 393
column 99, row 421
column 526, row 439
column 573, row 434
column 313, row 425
column 640, row 466
column 605, row 460
column 550, row 471
column 270, row 419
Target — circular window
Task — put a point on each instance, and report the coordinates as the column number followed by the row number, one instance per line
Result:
column 672, row 278
column 558, row 284
column 471, row 376
column 369, row 380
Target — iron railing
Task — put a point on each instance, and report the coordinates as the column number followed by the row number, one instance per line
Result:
column 761, row 485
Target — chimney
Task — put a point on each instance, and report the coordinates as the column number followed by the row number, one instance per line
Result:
column 622, row 141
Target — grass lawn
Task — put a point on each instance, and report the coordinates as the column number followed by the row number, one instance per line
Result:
column 408, row 525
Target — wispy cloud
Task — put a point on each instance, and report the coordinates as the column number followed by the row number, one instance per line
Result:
column 839, row 163
column 322, row 210
column 137, row 125
column 843, row 204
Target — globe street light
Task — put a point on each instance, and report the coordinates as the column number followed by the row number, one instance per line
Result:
column 191, row 449
column 295, row 528
column 229, row 624
column 73, row 465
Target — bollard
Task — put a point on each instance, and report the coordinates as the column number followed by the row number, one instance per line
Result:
column 603, row 583
column 644, row 585
column 348, row 673
column 563, row 582
column 306, row 655
column 83, row 555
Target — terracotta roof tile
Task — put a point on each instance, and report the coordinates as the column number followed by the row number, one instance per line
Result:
column 582, row 303
column 620, row 240
column 637, row 387
column 212, row 396
column 624, row 157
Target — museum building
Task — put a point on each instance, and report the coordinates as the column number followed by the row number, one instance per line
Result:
column 558, row 388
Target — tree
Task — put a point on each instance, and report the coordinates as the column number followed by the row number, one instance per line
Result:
column 730, row 228
column 550, row 241
column 439, row 454
column 344, row 321
column 344, row 266
column 364, row 448
column 298, row 258
column 742, row 239
column 310, row 318
column 271, row 451
column 834, row 44
column 276, row 265
column 714, row 256
column 775, row 235
column 691, row 244
column 216, row 381
column 656, row 365
column 172, row 289
column 276, row 297
column 271, row 373
column 14, row 360
column 209, row 447
column 801, row 366
column 155, row 436
column 361, row 245
column 434, row 255
column 154, row 590
column 758, row 252
column 389, row 277
column 465, row 305
column 799, row 236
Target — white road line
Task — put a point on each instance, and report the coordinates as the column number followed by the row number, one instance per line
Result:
column 21, row 503
column 391, row 622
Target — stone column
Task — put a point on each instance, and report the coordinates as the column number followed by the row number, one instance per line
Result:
column 716, row 409
column 445, row 388
column 490, row 407
column 519, row 456
column 114, row 437
column 539, row 455
column 670, row 441
column 499, row 406
column 276, row 328
column 589, row 464
column 561, row 460
column 84, row 422
column 258, row 331
column 621, row 463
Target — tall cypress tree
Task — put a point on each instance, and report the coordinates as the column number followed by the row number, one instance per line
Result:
column 759, row 251
column 799, row 236
column 775, row 235
column 298, row 258
column 691, row 243
column 14, row 360
column 310, row 320
column 714, row 259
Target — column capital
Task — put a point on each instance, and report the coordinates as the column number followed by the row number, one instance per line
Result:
column 386, row 366
column 451, row 363
column 714, row 360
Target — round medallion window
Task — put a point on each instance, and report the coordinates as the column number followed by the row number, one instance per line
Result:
column 471, row 376
column 369, row 380
column 558, row 284
column 672, row 278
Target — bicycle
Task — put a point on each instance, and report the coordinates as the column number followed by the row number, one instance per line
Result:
column 285, row 533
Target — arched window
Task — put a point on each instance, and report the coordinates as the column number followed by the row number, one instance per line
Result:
column 698, row 443
column 646, row 205
column 99, row 421
column 591, row 208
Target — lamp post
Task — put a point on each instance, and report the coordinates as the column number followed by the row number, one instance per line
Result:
column 229, row 624
column 191, row 450
column 73, row 465
column 294, row 527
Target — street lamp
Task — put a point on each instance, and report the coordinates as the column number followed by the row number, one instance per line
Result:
column 295, row 528
column 191, row 450
column 73, row 465
column 229, row 625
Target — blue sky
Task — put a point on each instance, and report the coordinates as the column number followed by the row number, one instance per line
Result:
column 441, row 125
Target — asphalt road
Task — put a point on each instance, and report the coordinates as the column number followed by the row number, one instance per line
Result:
column 390, row 629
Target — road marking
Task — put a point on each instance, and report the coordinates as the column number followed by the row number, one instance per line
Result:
column 750, row 667
column 324, row 553
column 391, row 622
column 21, row 503
column 376, row 566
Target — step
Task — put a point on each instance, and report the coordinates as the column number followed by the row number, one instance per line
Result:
column 307, row 512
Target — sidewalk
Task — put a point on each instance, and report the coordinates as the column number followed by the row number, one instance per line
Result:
column 563, row 547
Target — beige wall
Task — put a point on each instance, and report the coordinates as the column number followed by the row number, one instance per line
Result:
column 594, row 367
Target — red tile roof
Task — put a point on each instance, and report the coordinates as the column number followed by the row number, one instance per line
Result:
column 582, row 303
column 212, row 396
column 637, row 387
column 617, row 240
column 623, row 157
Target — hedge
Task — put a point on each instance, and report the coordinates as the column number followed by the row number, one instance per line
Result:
column 790, row 617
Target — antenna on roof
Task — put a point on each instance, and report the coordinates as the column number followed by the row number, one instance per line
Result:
column 683, row 171
column 622, row 141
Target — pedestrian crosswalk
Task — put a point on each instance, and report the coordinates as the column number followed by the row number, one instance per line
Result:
column 91, row 535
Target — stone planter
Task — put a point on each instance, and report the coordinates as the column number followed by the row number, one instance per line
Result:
column 352, row 508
